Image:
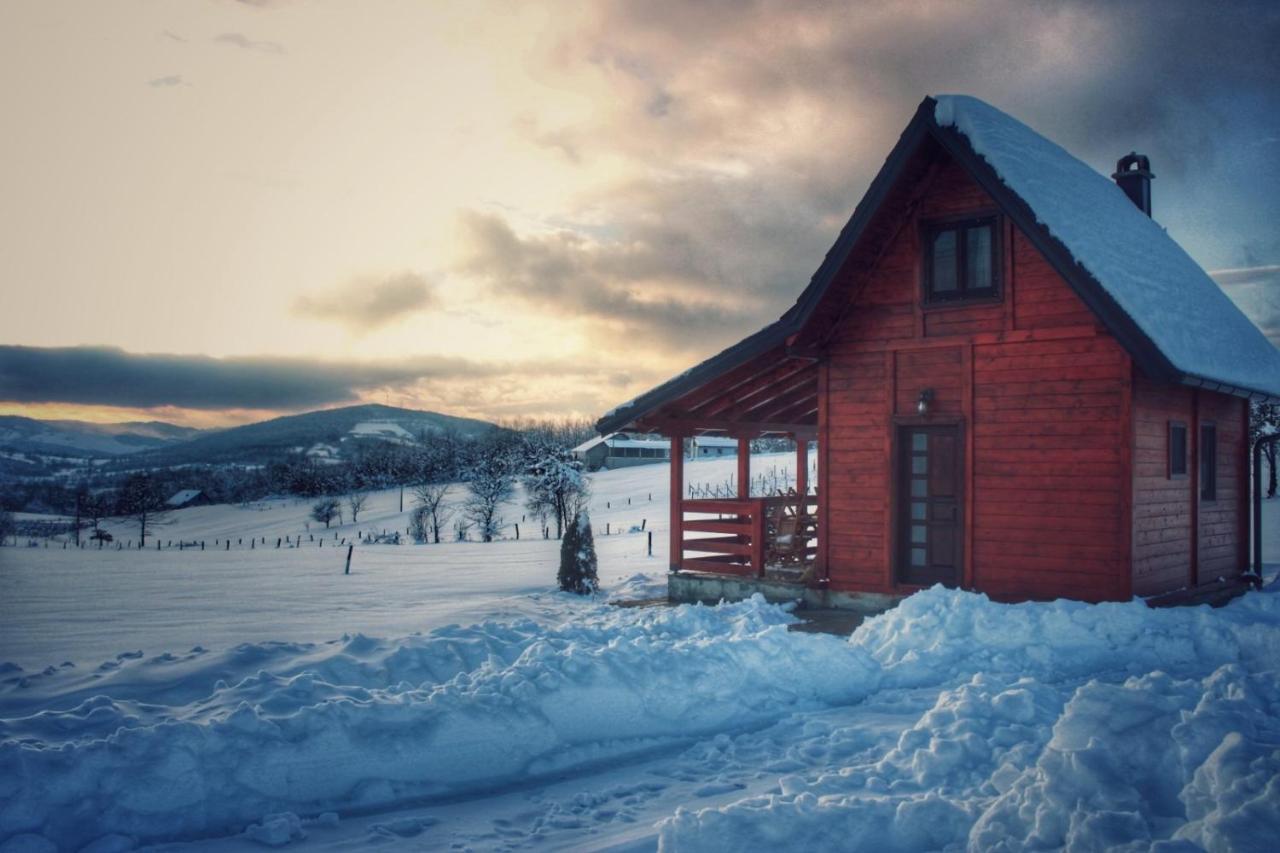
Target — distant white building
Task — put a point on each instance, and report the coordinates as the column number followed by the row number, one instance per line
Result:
column 709, row 446
column 622, row 450
column 186, row 497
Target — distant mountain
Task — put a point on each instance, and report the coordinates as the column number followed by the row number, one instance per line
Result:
column 324, row 433
column 81, row 438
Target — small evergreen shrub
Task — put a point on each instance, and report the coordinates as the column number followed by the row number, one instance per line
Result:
column 578, row 557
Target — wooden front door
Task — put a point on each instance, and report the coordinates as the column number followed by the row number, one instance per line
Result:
column 930, row 505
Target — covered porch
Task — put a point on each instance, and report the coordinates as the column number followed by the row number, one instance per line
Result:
column 757, row 527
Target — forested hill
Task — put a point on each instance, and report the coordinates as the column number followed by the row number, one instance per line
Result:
column 269, row 439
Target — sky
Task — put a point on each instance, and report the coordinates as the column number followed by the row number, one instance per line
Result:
column 218, row 211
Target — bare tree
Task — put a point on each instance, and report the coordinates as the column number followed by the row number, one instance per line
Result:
column 141, row 499
column 430, row 499
column 326, row 510
column 356, row 502
column 7, row 526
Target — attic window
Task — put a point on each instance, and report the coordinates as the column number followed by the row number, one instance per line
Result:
column 961, row 261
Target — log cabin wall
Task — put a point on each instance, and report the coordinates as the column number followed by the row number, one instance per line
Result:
column 1041, row 391
column 1221, row 538
column 1179, row 539
column 1162, row 499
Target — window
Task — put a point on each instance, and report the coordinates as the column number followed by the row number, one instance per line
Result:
column 961, row 261
column 1177, row 450
column 1208, row 462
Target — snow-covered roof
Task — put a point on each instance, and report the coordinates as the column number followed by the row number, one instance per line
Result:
column 619, row 440
column 715, row 441
column 1150, row 277
column 1168, row 313
column 590, row 443
column 183, row 497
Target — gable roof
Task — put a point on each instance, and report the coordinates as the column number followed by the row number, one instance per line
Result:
column 1173, row 319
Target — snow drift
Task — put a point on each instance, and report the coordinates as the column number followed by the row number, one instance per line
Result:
column 1051, row 724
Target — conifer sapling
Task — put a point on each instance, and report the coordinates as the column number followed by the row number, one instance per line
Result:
column 578, row 557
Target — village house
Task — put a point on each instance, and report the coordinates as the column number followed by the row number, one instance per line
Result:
column 1013, row 380
column 620, row 450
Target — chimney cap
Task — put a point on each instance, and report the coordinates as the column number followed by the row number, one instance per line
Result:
column 1134, row 164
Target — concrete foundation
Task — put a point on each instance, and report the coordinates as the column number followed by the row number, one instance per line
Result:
column 688, row 587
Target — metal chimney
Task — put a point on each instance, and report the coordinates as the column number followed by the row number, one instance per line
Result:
column 1133, row 175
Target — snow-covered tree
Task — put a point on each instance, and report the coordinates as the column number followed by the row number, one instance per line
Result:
column 555, row 487
column 491, row 484
column 578, row 557
column 326, row 510
column 431, row 508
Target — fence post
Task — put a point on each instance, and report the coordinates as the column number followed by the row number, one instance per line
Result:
column 350, row 548
column 228, row 544
column 650, row 543
column 518, row 531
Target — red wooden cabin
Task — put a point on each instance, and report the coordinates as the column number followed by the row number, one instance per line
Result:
column 1016, row 381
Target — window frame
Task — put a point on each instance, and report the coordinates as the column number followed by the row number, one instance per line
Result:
column 962, row 295
column 1208, row 463
column 1173, row 473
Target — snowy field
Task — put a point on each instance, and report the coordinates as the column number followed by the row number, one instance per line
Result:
column 446, row 697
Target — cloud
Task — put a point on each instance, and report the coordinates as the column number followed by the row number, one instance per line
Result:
column 164, row 82
column 1256, row 290
column 242, row 41
column 649, row 288
column 110, row 376
column 367, row 303
column 750, row 131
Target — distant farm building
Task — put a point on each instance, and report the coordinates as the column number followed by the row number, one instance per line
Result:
column 621, row 450
column 711, row 446
column 1016, row 382
column 186, row 498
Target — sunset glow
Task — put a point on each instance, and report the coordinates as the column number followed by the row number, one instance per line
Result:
column 549, row 207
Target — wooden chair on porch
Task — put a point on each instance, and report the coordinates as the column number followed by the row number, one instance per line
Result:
column 790, row 529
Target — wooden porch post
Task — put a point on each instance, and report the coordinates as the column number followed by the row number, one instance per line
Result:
column 744, row 468
column 676, row 549
column 802, row 468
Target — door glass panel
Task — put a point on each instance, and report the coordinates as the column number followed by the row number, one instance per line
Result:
column 919, row 489
column 919, row 511
column 919, row 534
column 920, row 441
column 918, row 557
column 919, row 464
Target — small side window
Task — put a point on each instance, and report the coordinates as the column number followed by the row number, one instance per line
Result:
column 1177, row 450
column 1208, row 462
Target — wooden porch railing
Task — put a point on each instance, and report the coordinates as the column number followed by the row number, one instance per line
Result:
column 739, row 544
column 747, row 534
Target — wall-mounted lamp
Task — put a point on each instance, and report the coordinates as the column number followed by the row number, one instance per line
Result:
column 924, row 401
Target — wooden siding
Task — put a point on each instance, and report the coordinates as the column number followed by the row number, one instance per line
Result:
column 1162, row 506
column 1178, row 540
column 1042, row 390
column 1220, row 548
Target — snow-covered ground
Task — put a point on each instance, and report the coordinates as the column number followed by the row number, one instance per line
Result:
column 446, row 697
